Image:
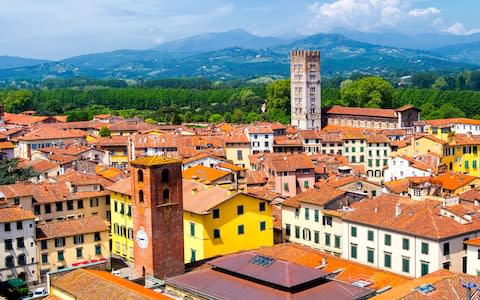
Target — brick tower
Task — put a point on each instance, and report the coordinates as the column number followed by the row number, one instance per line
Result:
column 305, row 89
column 157, row 216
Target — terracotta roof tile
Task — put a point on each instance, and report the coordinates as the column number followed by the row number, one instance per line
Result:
column 256, row 177
column 12, row 214
column 6, row 145
column 204, row 173
column 452, row 121
column 50, row 133
column 123, row 186
column 54, row 229
column 83, row 283
column 358, row 111
column 314, row 196
column 19, row 119
column 280, row 162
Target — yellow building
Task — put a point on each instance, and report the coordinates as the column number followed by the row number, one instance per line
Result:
column 121, row 217
column 423, row 145
column 219, row 221
column 117, row 146
column 462, row 154
column 237, row 149
column 62, row 244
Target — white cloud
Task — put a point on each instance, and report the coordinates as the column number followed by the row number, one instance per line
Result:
column 363, row 15
column 459, row 29
column 422, row 12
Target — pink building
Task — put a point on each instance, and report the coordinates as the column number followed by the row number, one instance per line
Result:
column 291, row 174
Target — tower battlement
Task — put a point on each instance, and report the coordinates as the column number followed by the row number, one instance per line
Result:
column 305, row 53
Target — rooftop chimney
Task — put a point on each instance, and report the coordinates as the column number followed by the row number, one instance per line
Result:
column 398, row 209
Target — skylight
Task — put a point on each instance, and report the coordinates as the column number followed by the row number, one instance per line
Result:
column 261, row 260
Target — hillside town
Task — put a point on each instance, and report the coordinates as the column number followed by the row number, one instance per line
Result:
column 342, row 203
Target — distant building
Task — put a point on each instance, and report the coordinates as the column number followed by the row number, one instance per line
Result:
column 305, row 89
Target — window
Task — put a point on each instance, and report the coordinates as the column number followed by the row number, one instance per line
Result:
column 98, row 250
column 9, row 262
column 353, row 231
column 43, row 244
column 48, row 208
column 79, row 204
column 60, row 256
column 307, row 213
column 337, row 242
column 446, row 248
column 7, row 227
column 166, row 195
column 285, row 187
column 93, row 202
column 316, row 237
column 327, row 220
column 129, row 212
column 406, row 244
column 240, row 229
column 36, row 209
column 316, row 215
column 140, row 196
column 239, row 210
column 478, row 253
column 59, row 206
column 306, row 234
column 19, row 225
column 263, row 225
column 20, row 243
column 192, row 229
column 297, row 232
column 261, row 206
column 70, row 205
column 388, row 240
column 239, row 155
column 60, row 242
column 370, row 255
column 424, row 268
column 78, row 239
column 424, row 248
column 327, row 239
column 79, row 252
column 216, row 213
column 387, row 259
column 216, row 233
column 122, row 208
column 287, row 229
column 140, row 175
column 165, row 176
column 353, row 250
column 8, row 244
column 97, row 236
column 446, row 265
column 370, row 235
column 44, row 258
column 193, row 255
column 406, row 264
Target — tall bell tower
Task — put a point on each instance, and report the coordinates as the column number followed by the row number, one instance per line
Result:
column 157, row 216
column 305, row 89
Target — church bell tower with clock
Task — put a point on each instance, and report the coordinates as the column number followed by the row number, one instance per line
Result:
column 157, row 213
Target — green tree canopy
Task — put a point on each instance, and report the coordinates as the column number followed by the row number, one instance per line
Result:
column 105, row 132
column 278, row 101
column 18, row 101
column 367, row 92
column 11, row 173
column 215, row 118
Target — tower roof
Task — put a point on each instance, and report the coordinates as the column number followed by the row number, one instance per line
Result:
column 149, row 161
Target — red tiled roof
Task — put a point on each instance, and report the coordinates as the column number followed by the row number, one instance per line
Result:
column 451, row 121
column 123, row 186
column 54, row 229
column 314, row 196
column 22, row 119
column 419, row 218
column 12, row 214
column 6, row 145
column 204, row 173
column 83, row 283
column 51, row 133
column 256, row 177
column 358, row 111
column 280, row 162
column 252, row 129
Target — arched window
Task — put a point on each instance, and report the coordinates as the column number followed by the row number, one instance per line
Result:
column 166, row 195
column 9, row 261
column 140, row 196
column 165, row 176
column 140, row 175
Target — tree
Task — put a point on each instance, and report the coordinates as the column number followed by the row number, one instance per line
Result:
column 18, row 101
column 278, row 100
column 367, row 92
column 215, row 118
column 105, row 132
column 440, row 84
column 11, row 173
column 237, row 116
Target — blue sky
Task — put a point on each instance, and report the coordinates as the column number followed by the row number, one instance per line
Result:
column 55, row 29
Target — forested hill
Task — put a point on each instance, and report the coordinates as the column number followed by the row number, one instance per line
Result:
column 340, row 56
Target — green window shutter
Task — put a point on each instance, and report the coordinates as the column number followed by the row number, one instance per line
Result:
column 370, row 256
column 388, row 240
column 353, row 251
column 354, row 231
column 388, row 260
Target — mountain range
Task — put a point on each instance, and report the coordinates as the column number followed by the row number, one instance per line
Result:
column 239, row 54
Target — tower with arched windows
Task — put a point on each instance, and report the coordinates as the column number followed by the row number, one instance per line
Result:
column 157, row 216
